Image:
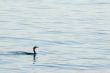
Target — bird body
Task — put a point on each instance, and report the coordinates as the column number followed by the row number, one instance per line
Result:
column 26, row 53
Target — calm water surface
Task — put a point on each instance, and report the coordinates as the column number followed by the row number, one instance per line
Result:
column 73, row 36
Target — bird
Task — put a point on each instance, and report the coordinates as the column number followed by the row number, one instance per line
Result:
column 34, row 51
column 27, row 53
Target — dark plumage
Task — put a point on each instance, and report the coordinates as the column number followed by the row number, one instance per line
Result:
column 26, row 53
column 33, row 51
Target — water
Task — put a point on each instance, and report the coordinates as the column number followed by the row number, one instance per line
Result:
column 72, row 35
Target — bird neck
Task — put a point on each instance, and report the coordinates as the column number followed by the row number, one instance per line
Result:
column 34, row 51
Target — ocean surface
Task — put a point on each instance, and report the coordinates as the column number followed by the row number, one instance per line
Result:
column 73, row 36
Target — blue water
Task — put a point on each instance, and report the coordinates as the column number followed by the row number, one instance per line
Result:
column 73, row 36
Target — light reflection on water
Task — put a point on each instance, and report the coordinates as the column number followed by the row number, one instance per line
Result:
column 73, row 36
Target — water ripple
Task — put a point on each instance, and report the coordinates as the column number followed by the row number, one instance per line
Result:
column 73, row 66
